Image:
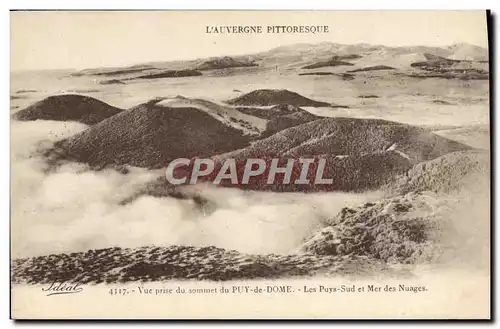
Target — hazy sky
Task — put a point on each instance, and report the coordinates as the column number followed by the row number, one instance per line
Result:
column 51, row 40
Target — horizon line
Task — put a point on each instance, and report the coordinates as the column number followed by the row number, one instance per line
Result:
column 241, row 54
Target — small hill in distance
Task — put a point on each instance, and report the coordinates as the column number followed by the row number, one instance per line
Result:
column 111, row 72
column 372, row 68
column 223, row 63
column 436, row 61
column 69, row 107
column 170, row 74
column 439, row 67
column 337, row 60
column 332, row 62
column 347, row 57
column 344, row 76
column 111, row 82
column 471, row 74
column 269, row 97
column 318, row 73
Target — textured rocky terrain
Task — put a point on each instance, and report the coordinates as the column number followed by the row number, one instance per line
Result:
column 117, row 265
column 401, row 229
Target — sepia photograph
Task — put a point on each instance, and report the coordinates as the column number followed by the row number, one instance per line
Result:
column 250, row 164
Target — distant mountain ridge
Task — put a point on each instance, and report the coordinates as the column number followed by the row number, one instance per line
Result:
column 302, row 55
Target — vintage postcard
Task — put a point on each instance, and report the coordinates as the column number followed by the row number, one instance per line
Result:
column 250, row 165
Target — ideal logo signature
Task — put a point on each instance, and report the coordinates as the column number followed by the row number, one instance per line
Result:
column 63, row 288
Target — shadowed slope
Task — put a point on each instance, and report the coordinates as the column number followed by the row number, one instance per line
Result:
column 358, row 173
column 150, row 136
column 351, row 136
column 267, row 97
column 359, row 155
column 79, row 108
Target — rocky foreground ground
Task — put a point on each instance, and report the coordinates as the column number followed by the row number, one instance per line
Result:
column 120, row 265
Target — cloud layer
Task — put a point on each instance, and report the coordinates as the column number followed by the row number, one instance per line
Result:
column 74, row 209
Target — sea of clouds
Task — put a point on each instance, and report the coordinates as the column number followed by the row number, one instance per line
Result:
column 72, row 208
